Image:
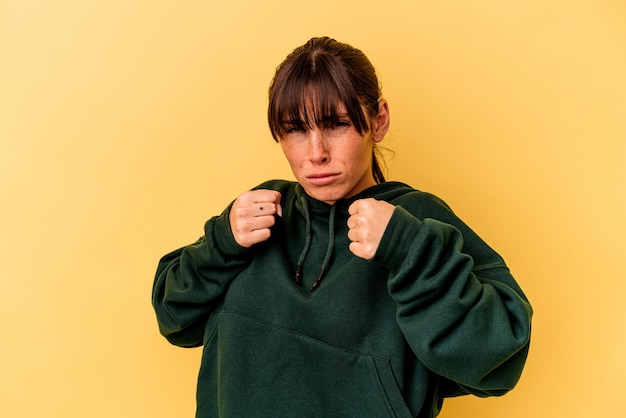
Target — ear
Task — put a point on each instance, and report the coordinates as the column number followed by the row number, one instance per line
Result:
column 380, row 124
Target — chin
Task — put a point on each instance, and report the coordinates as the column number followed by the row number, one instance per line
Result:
column 325, row 196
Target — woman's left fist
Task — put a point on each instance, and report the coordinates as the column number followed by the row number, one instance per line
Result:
column 367, row 223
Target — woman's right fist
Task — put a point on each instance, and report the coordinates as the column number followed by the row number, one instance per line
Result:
column 252, row 216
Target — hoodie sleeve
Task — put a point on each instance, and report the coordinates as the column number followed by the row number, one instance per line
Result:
column 467, row 322
column 191, row 281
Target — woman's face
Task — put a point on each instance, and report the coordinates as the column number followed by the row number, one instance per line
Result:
column 334, row 162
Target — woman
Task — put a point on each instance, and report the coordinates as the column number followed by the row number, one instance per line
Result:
column 340, row 294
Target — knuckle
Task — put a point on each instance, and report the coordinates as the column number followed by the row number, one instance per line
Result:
column 264, row 234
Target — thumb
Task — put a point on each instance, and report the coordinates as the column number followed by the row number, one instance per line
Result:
column 353, row 209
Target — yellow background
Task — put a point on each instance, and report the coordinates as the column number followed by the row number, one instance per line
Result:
column 125, row 124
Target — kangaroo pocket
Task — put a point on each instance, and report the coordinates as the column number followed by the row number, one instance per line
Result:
column 265, row 370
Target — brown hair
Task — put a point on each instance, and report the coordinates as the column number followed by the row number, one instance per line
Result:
column 317, row 77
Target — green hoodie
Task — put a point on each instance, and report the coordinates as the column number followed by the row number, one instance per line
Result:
column 434, row 314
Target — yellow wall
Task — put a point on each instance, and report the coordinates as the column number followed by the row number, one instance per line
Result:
column 125, row 124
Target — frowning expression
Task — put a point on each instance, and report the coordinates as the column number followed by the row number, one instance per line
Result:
column 331, row 160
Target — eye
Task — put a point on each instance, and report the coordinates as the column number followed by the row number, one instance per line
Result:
column 293, row 129
column 341, row 124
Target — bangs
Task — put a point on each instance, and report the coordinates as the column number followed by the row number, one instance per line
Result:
column 311, row 93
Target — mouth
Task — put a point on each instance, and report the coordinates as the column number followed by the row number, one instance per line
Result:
column 322, row 179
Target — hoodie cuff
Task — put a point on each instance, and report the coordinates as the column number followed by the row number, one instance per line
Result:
column 395, row 245
column 222, row 235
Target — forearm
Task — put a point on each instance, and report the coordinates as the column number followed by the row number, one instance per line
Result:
column 467, row 323
column 191, row 281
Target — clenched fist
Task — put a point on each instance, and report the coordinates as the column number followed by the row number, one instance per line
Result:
column 252, row 216
column 367, row 223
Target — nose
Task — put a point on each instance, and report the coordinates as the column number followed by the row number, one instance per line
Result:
column 318, row 150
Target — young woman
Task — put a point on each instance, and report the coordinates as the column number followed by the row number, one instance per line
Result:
column 340, row 294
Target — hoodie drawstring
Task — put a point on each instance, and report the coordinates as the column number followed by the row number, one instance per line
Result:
column 329, row 249
column 307, row 242
column 307, row 245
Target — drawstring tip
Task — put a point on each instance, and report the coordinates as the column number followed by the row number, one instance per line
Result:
column 317, row 281
column 298, row 276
